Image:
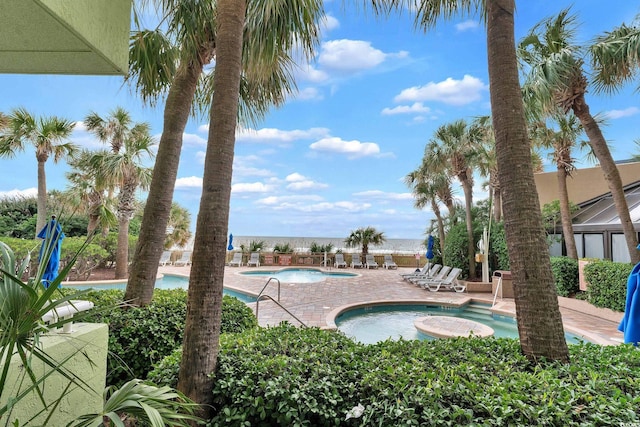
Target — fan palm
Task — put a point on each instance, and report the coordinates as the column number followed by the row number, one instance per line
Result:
column 454, row 148
column 561, row 142
column 172, row 64
column 179, row 225
column 125, row 170
column 48, row 135
column 534, row 288
column 363, row 237
column 555, row 78
column 432, row 187
column 615, row 56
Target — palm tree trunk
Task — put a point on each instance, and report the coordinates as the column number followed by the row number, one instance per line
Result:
column 41, row 218
column 471, row 245
column 565, row 214
column 122, row 251
column 611, row 174
column 204, row 305
column 538, row 314
column 438, row 214
column 144, row 267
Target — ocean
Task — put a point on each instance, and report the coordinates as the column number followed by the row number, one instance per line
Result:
column 302, row 244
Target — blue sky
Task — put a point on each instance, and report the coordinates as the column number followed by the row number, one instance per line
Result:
column 334, row 157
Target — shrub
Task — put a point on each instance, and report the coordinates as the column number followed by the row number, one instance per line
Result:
column 296, row 376
column 607, row 283
column 565, row 274
column 142, row 336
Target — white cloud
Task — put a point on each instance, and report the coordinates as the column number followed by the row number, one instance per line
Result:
column 415, row 108
column 467, row 25
column 278, row 135
column 349, row 55
column 15, row 193
column 299, row 182
column 618, row 114
column 311, row 74
column 449, row 91
column 381, row 195
column 352, row 148
column 288, row 200
column 329, row 23
column 189, row 182
column 250, row 187
column 193, row 139
column 309, row 93
column 295, row 177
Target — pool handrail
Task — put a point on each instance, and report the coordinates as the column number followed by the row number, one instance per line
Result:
column 261, row 296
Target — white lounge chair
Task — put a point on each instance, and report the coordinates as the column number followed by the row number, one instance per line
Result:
column 426, row 272
column 450, row 282
column 420, row 280
column 370, row 262
column 237, row 260
column 339, row 261
column 184, row 260
column 165, row 258
column 356, row 262
column 254, row 260
column 389, row 263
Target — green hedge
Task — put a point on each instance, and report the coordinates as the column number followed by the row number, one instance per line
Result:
column 565, row 274
column 607, row 283
column 295, row 376
column 142, row 336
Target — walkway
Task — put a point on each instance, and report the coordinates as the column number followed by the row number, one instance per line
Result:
column 315, row 303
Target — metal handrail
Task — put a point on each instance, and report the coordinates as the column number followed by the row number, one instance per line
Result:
column 279, row 305
column 267, row 284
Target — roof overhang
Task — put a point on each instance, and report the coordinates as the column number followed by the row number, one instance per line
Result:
column 65, row 36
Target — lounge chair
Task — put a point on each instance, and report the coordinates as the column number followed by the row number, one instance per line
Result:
column 450, row 282
column 441, row 274
column 237, row 260
column 184, row 260
column 389, row 263
column 254, row 260
column 356, row 262
column 426, row 272
column 339, row 261
column 370, row 262
column 165, row 258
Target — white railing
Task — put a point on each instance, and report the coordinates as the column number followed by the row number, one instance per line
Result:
column 66, row 311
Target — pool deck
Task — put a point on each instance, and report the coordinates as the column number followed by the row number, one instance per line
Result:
column 317, row 304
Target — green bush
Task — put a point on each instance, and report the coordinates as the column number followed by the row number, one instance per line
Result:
column 455, row 249
column 142, row 336
column 296, row 376
column 607, row 283
column 565, row 274
column 498, row 252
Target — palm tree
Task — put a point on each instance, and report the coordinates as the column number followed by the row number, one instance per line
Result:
column 49, row 136
column 538, row 314
column 178, row 228
column 454, row 148
column 124, row 169
column 365, row 236
column 204, row 304
column 84, row 192
column 556, row 79
column 487, row 163
column 431, row 187
column 615, row 56
column 562, row 142
column 173, row 64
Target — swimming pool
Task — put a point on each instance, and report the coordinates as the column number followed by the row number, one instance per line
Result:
column 299, row 275
column 166, row 282
column 376, row 323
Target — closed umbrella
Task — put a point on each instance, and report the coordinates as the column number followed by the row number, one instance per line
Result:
column 50, row 250
column 429, row 254
column 230, row 247
column 630, row 325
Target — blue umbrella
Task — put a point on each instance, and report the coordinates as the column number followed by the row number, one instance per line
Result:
column 52, row 235
column 429, row 254
column 630, row 325
column 230, row 242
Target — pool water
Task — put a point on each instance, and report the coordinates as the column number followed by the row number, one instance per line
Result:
column 372, row 324
column 298, row 275
column 167, row 282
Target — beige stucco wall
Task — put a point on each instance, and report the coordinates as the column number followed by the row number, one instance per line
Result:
column 85, row 352
column 585, row 184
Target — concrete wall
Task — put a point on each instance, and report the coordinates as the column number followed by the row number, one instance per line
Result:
column 86, row 351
